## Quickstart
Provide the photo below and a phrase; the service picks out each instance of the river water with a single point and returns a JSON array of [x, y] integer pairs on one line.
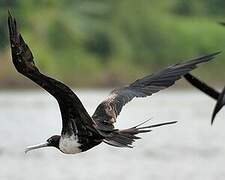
[[191, 149]]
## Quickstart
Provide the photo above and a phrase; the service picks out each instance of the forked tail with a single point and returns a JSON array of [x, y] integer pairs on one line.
[[126, 137]]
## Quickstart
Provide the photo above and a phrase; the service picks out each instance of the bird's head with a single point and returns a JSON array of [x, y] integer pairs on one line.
[[51, 142]]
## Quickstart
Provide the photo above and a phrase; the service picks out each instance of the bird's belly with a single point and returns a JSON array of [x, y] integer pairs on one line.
[[69, 144]]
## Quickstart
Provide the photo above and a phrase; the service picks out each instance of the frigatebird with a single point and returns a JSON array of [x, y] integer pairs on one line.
[[80, 132], [218, 96]]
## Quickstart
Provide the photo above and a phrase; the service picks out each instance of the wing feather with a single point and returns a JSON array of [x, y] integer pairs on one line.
[[74, 115], [106, 113]]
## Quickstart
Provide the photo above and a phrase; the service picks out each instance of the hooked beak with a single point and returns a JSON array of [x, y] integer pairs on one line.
[[29, 148]]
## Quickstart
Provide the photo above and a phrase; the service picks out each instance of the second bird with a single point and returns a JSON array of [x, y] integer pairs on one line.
[[219, 97]]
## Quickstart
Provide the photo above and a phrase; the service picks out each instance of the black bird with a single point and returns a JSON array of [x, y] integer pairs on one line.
[[80, 131], [219, 97]]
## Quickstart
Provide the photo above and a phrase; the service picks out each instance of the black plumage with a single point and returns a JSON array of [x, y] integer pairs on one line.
[[219, 97], [80, 130]]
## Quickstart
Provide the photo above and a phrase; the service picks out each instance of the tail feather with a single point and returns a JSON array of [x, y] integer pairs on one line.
[[126, 137]]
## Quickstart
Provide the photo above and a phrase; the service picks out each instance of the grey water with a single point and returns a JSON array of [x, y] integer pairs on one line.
[[191, 149]]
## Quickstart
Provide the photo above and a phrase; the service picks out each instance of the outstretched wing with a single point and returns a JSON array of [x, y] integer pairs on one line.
[[74, 115], [107, 112], [219, 97]]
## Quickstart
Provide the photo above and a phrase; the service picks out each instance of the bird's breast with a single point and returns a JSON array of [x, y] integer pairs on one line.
[[69, 144]]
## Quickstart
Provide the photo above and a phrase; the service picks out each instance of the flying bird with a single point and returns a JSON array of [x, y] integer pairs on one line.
[[219, 97], [80, 131]]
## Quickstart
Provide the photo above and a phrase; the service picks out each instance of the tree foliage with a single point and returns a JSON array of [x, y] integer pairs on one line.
[[102, 42]]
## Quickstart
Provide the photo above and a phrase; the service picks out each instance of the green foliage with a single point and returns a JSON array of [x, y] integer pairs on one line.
[[106, 42]]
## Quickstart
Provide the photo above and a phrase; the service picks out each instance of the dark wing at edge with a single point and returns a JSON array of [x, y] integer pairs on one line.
[[74, 115], [107, 112], [219, 104], [219, 97], [202, 86]]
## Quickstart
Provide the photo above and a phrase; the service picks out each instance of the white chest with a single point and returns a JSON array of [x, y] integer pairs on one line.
[[69, 144]]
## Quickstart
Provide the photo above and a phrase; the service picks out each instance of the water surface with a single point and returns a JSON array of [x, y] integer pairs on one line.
[[190, 149]]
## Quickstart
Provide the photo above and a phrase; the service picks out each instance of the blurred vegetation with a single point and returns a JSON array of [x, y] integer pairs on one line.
[[109, 42]]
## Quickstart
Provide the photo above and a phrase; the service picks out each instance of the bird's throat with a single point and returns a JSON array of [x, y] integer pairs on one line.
[[69, 144]]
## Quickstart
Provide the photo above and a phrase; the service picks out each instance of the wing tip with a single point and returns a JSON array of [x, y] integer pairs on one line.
[[210, 56], [205, 58], [213, 118], [212, 121], [219, 105], [13, 31], [9, 13], [11, 19], [216, 53]]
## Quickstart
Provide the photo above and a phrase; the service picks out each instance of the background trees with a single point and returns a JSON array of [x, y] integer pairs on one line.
[[107, 42]]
